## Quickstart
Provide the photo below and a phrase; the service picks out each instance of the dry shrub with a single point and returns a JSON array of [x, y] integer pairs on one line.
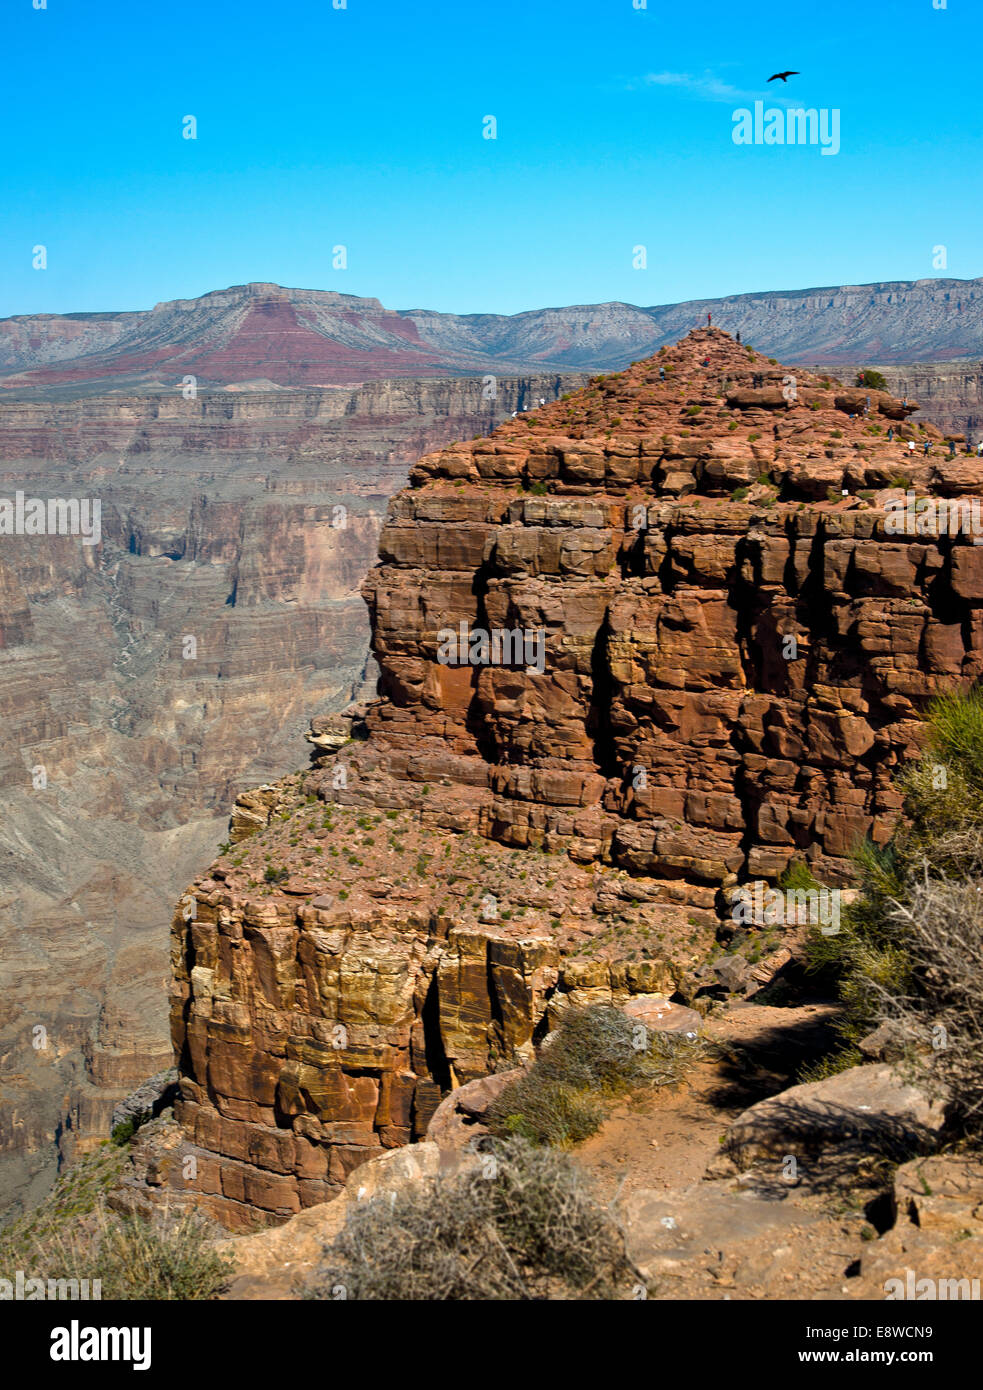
[[909, 948], [940, 1014], [168, 1258], [521, 1224]]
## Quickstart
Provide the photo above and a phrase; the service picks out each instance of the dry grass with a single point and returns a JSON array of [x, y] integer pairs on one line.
[[73, 1235]]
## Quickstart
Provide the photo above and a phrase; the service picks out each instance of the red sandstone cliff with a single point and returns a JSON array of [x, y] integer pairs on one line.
[[245, 521], [735, 652]]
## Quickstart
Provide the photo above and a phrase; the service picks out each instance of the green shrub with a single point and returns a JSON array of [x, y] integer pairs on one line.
[[874, 381], [595, 1054], [956, 738], [552, 1113], [125, 1130], [798, 877], [910, 948]]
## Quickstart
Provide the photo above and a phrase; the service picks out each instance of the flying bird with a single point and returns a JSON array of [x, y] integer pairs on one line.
[[784, 75]]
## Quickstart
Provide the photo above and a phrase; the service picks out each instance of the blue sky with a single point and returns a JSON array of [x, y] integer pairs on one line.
[[363, 127]]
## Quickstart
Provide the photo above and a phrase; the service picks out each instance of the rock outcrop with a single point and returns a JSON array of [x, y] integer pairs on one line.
[[951, 393], [723, 651], [146, 679]]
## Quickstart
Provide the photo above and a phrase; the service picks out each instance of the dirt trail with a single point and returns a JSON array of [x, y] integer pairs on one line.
[[731, 1236]]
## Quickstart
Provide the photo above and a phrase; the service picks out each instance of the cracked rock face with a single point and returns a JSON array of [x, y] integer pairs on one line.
[[722, 654], [736, 646]]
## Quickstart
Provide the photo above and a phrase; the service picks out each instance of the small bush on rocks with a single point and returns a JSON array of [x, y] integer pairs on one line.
[[910, 949], [596, 1053], [521, 1224]]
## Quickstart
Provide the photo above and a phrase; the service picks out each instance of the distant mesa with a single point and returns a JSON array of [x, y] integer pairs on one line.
[[248, 335]]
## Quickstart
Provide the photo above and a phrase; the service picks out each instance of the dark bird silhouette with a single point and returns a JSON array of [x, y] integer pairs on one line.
[[784, 75]]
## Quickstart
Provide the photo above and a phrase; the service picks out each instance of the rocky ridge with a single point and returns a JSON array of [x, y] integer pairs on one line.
[[260, 334], [735, 651]]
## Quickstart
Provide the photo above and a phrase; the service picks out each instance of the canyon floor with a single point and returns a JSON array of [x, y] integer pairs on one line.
[[146, 680]]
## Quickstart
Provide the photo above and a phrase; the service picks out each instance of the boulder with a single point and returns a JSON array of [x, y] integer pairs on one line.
[[459, 1117], [868, 1108], [884, 1044], [733, 972], [394, 1170], [149, 1099], [934, 1251]]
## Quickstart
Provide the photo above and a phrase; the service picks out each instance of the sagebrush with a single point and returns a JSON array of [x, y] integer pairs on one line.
[[519, 1223]]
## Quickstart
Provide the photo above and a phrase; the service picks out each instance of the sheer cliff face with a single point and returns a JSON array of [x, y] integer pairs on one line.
[[951, 393], [147, 679], [724, 651]]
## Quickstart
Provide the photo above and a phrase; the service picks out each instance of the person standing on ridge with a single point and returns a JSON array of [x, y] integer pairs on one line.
[[738, 335], [928, 445], [709, 320]]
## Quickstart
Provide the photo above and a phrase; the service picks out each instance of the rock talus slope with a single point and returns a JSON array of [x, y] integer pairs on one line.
[[730, 650]]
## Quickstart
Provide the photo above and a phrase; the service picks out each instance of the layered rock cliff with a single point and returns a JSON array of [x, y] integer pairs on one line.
[[725, 647], [950, 393], [146, 679]]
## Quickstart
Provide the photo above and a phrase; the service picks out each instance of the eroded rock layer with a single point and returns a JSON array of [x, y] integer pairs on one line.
[[726, 652], [145, 679]]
